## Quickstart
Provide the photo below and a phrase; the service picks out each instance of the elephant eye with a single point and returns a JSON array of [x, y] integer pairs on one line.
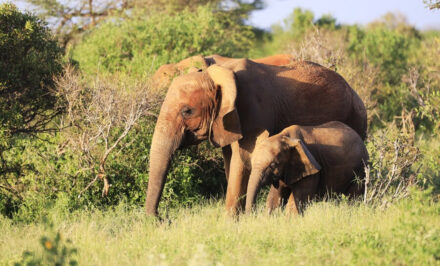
[[187, 111]]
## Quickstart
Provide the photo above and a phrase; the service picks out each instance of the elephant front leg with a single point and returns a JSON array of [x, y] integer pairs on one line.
[[237, 183], [227, 153], [273, 200], [277, 197], [302, 192]]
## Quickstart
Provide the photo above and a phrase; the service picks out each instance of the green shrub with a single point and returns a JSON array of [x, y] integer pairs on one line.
[[138, 45], [299, 22], [393, 154], [388, 49], [327, 21], [29, 59]]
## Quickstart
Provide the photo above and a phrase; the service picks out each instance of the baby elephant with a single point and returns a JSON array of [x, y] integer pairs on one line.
[[307, 161]]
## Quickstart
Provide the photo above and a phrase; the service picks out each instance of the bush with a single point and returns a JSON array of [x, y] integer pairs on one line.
[[139, 45], [29, 59], [385, 48], [392, 171]]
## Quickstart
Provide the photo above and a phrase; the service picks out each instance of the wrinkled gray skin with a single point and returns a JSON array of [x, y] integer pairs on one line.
[[225, 103], [307, 162]]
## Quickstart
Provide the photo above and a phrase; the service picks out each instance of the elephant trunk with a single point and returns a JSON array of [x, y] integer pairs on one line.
[[164, 144], [254, 185]]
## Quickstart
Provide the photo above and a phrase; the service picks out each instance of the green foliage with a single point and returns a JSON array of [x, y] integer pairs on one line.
[[391, 171], [56, 250], [141, 44], [327, 21], [384, 48], [423, 81], [48, 172], [290, 29], [196, 174], [30, 58], [299, 22], [69, 19]]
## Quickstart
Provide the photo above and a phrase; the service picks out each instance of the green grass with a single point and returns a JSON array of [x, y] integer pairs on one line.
[[330, 233]]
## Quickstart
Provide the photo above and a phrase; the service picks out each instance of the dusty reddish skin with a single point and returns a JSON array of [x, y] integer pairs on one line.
[[334, 155], [267, 97], [275, 60], [165, 73]]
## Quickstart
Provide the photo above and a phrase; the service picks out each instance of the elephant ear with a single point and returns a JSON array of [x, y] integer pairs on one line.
[[302, 163], [226, 125], [262, 135]]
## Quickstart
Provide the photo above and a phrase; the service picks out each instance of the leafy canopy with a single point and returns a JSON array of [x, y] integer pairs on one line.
[[139, 45], [29, 59]]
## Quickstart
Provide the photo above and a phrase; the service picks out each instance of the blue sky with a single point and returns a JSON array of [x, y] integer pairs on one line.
[[349, 11]]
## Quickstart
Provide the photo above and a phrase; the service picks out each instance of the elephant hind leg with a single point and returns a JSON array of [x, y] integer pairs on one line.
[[356, 187], [292, 207]]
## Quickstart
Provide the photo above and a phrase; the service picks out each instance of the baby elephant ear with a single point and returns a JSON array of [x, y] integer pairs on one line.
[[302, 163], [262, 134]]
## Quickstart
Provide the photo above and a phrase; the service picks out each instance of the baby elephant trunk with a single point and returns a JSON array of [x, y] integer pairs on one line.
[[254, 185]]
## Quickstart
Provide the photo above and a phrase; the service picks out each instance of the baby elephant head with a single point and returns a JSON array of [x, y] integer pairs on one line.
[[280, 157]]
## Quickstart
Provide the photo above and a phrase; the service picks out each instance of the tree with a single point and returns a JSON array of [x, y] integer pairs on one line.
[[30, 57], [69, 18], [432, 4], [141, 44]]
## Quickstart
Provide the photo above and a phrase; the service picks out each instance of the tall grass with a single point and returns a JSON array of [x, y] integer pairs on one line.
[[331, 233]]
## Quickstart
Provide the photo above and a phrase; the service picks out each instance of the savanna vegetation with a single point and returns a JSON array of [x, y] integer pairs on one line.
[[77, 116]]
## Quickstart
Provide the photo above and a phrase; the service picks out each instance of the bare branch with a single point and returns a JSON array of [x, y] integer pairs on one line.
[[393, 153], [102, 114]]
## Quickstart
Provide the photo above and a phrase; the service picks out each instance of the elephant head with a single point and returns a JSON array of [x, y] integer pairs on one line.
[[198, 106], [163, 76], [280, 157]]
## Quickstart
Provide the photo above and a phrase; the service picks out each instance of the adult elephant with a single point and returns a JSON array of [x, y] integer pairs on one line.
[[227, 102], [163, 76]]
